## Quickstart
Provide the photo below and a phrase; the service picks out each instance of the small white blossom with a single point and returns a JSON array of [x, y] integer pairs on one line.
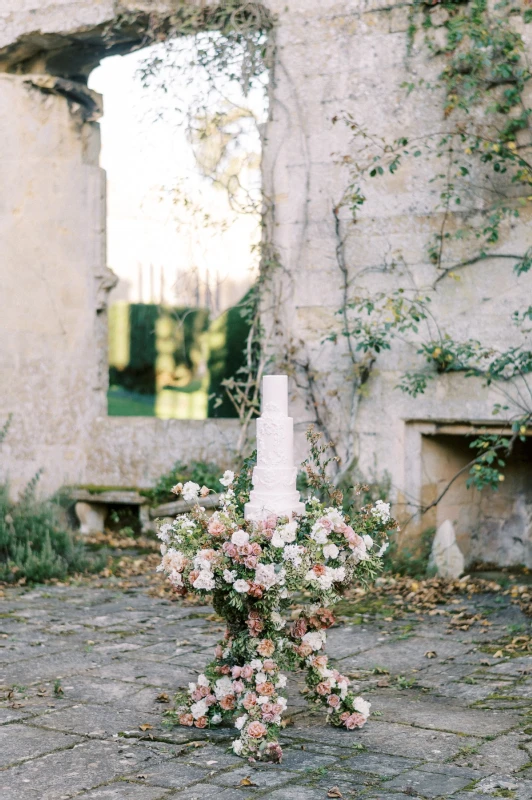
[[315, 639], [228, 478], [362, 706], [292, 553], [277, 539], [330, 551], [241, 721], [203, 680], [319, 534], [216, 719], [241, 586], [381, 511], [255, 664], [237, 746], [229, 575], [277, 620], [205, 580], [383, 549], [260, 677], [265, 575], [191, 491], [368, 541], [240, 538], [281, 682], [199, 709], [223, 687]]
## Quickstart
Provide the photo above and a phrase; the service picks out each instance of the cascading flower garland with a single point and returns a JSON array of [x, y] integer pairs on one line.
[[253, 570]]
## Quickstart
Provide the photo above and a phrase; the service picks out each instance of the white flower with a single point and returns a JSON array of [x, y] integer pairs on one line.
[[164, 531], [175, 578], [262, 700], [288, 531], [318, 533], [277, 620], [277, 539], [192, 687], [222, 687], [228, 478], [237, 746], [240, 538], [229, 575], [281, 682], [330, 551], [359, 552], [368, 541], [315, 639], [362, 706], [282, 702], [241, 721], [260, 677], [265, 575], [255, 664], [335, 517], [381, 511], [292, 553], [338, 574], [241, 586], [202, 560], [190, 491], [205, 580], [216, 719], [203, 680], [163, 551], [199, 709], [383, 549]]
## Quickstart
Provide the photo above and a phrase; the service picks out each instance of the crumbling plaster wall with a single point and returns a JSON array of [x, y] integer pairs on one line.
[[330, 57]]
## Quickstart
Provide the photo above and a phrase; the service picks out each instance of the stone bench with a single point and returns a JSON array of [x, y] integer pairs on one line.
[[91, 507]]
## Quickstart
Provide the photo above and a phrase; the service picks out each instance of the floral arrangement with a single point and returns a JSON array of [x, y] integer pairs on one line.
[[253, 571]]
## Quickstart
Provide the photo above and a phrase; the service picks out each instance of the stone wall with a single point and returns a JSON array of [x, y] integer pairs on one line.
[[330, 58]]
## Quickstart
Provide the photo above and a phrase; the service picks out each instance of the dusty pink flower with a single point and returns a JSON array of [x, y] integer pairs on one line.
[[256, 548], [201, 722], [270, 523], [303, 650], [354, 721], [266, 689], [256, 730], [333, 700], [247, 672], [235, 671], [204, 491], [250, 562], [320, 661], [216, 527], [269, 666], [255, 626], [266, 647], [211, 699], [228, 702], [250, 700], [245, 550], [299, 628], [255, 590], [325, 523], [238, 687], [319, 570], [323, 688], [230, 549], [218, 651], [186, 719]]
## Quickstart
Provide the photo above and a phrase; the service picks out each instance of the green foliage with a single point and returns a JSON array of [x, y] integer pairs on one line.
[[228, 341], [201, 472], [410, 561], [34, 542]]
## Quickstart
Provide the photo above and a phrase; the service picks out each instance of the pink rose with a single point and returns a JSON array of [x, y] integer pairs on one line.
[[354, 721], [216, 527], [325, 523], [320, 661], [186, 719], [250, 700], [238, 687], [333, 700], [245, 550], [210, 700], [269, 666], [228, 702], [235, 671], [256, 548], [218, 651], [250, 562], [299, 628], [271, 523], [266, 689], [266, 647], [201, 722], [246, 672], [323, 688], [256, 730]]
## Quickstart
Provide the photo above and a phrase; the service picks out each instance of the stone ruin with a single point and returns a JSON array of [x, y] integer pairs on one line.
[[329, 57]]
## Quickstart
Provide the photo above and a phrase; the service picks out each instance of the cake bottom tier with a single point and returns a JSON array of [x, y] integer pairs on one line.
[[262, 505]]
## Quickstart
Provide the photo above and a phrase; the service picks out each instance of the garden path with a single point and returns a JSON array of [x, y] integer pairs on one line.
[[86, 672]]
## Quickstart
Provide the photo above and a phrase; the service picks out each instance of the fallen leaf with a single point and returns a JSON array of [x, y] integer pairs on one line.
[[146, 727], [141, 777], [431, 654], [246, 782], [16, 705], [334, 792], [209, 763], [498, 654], [162, 698]]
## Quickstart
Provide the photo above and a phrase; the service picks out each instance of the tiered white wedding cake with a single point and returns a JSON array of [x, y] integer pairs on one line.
[[274, 477]]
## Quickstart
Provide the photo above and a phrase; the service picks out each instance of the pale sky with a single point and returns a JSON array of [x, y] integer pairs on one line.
[[144, 160]]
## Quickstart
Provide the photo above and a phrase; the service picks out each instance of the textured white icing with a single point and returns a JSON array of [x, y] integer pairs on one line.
[[274, 477]]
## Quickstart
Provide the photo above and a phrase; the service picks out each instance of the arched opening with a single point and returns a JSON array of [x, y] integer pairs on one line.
[[181, 150]]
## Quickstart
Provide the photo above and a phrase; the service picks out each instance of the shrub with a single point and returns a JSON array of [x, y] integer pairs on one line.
[[35, 544], [202, 472]]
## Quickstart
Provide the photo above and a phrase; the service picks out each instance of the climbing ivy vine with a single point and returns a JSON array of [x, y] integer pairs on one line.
[[479, 158]]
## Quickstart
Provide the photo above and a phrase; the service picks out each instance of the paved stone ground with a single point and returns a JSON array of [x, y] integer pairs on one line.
[[455, 723]]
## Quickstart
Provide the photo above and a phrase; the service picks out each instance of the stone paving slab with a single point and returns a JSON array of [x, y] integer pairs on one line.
[[441, 725]]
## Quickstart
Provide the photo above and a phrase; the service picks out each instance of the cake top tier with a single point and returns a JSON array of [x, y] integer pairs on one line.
[[275, 396]]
